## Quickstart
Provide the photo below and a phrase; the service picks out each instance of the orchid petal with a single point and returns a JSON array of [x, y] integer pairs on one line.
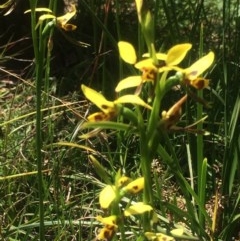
[[145, 64], [39, 10], [129, 82], [46, 16], [98, 99], [122, 181], [137, 208], [106, 233], [106, 196], [135, 186], [161, 56], [127, 52], [177, 53], [133, 99], [111, 220], [66, 17], [199, 66]]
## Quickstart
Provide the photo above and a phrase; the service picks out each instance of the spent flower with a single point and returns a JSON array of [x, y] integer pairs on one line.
[[61, 21]]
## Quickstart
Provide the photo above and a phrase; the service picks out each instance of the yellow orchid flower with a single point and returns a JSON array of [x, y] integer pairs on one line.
[[109, 229], [149, 70], [109, 109], [191, 74], [62, 20], [106, 233], [174, 56], [128, 54], [59, 21]]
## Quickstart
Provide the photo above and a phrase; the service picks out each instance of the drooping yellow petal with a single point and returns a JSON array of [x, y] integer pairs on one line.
[[6, 4], [127, 52], [98, 99], [129, 82], [135, 186], [106, 196], [137, 208], [62, 20], [132, 99], [199, 66], [110, 221], [40, 10], [177, 53], [44, 17]]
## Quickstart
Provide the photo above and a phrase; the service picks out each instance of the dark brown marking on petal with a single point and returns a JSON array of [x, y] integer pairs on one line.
[[105, 107], [135, 188]]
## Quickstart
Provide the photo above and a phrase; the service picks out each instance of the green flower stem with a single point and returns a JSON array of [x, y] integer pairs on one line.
[[148, 147], [115, 210], [146, 171], [38, 51], [200, 158], [155, 114]]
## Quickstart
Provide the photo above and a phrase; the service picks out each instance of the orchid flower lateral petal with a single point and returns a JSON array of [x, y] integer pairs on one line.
[[129, 82], [62, 20], [98, 99], [137, 208], [110, 220], [127, 52], [106, 196], [199, 66], [133, 99], [177, 53], [135, 186]]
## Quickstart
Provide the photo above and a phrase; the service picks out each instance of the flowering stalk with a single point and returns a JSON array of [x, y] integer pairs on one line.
[[146, 119]]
